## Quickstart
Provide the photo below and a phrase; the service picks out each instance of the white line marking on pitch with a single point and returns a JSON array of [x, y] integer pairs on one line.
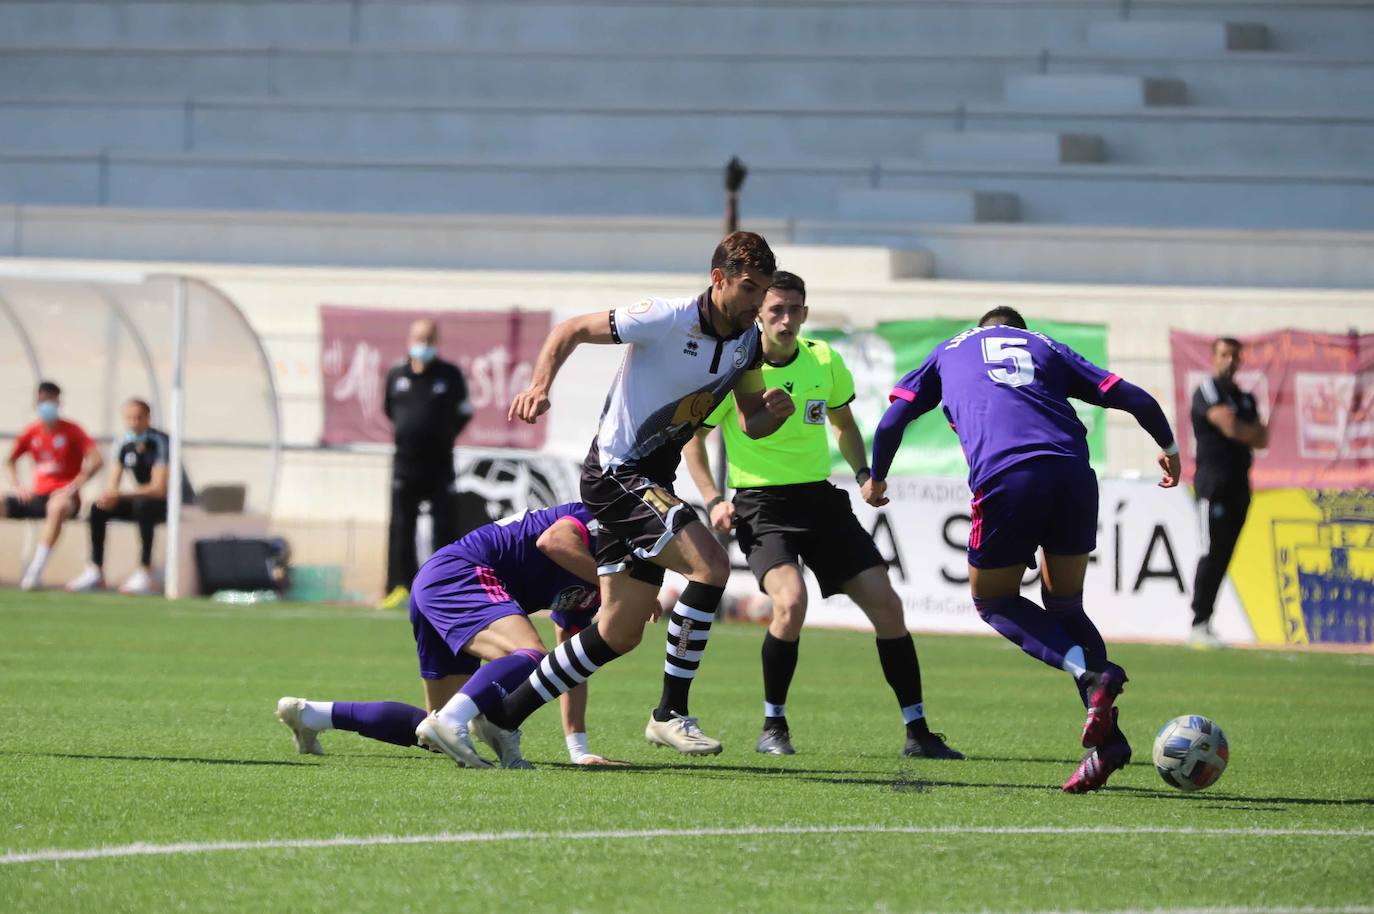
[[211, 847], [1267, 909]]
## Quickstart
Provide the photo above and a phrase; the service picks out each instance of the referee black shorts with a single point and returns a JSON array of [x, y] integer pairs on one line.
[[810, 521], [636, 519]]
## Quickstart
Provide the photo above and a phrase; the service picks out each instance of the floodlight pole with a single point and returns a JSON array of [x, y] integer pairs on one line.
[[172, 565]]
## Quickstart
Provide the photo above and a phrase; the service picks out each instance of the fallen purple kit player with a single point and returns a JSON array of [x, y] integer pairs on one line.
[[1005, 391], [469, 604]]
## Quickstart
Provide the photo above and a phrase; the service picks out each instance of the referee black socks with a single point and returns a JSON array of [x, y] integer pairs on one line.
[[779, 665], [689, 627]]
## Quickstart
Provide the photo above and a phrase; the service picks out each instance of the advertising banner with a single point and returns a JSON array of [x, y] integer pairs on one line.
[[878, 358], [1139, 580], [1315, 390], [495, 350]]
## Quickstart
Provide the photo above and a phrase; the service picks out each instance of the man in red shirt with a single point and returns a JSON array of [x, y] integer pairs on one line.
[[64, 457]]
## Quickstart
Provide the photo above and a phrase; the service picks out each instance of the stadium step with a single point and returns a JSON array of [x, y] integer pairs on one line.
[[1145, 36], [926, 205], [1029, 148], [1102, 91]]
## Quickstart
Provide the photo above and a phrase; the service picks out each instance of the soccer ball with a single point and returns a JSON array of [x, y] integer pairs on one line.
[[1191, 752]]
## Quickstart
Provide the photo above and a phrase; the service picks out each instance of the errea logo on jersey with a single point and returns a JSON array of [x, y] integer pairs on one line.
[[691, 348]]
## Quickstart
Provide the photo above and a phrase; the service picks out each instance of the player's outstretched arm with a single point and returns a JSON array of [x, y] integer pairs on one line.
[[720, 512], [1126, 396], [533, 401], [761, 412], [849, 438]]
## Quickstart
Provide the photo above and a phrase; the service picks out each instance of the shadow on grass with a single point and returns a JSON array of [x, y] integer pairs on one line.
[[919, 782], [87, 756]]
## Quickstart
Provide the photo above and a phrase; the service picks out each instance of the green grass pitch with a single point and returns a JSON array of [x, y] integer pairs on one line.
[[129, 721]]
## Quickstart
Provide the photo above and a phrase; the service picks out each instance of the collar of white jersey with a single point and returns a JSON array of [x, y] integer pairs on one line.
[[704, 307]]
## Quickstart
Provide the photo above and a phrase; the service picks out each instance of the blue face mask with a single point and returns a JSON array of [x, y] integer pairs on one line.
[[47, 411], [135, 437], [422, 353]]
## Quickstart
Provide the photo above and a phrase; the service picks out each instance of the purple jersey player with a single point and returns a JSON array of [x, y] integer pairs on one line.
[[468, 604], [1005, 391]]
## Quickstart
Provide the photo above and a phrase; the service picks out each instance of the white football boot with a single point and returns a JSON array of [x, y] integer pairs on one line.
[[452, 741], [89, 580], [680, 733], [307, 740], [139, 584], [505, 742]]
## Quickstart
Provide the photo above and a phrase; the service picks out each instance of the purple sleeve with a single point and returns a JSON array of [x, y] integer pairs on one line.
[[1126, 396], [1087, 382], [915, 394]]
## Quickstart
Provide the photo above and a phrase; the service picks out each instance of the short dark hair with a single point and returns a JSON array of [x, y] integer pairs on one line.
[[48, 388], [1009, 317], [784, 281], [1227, 341], [741, 251], [141, 404]]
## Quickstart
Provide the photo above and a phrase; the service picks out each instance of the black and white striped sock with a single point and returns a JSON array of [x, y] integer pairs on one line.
[[561, 670], [689, 626]]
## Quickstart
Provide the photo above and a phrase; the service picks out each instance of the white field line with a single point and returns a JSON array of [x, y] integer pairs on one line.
[[212, 847], [1267, 909]]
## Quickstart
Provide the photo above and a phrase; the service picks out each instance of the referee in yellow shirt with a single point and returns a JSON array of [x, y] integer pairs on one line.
[[786, 513]]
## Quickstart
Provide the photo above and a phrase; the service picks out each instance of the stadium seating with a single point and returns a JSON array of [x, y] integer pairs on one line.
[[1053, 112]]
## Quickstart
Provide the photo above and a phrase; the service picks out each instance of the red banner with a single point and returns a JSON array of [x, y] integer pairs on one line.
[[1316, 391], [495, 349]]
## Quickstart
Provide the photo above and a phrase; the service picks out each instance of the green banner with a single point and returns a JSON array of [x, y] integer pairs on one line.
[[879, 357]]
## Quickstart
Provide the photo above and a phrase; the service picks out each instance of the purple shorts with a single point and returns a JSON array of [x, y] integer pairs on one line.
[[451, 601], [1044, 502]]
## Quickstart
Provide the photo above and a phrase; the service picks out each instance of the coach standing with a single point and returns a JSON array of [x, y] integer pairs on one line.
[[1227, 428], [427, 403]]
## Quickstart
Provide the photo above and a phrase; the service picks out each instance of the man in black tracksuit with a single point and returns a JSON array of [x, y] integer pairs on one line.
[[427, 403], [1226, 427]]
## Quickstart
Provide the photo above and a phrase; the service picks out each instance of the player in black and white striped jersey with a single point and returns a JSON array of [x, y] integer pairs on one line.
[[683, 357]]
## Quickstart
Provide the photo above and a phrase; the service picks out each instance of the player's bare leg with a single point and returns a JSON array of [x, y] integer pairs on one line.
[[872, 590], [61, 508]]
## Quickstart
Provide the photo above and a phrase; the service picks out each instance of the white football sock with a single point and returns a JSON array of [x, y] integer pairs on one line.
[[1073, 662], [39, 562], [459, 711], [318, 715]]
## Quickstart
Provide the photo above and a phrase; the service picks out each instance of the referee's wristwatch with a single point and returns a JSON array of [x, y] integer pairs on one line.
[[863, 476], [711, 505]]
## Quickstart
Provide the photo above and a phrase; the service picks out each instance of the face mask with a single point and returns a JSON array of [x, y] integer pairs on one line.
[[135, 437], [47, 411], [421, 353]]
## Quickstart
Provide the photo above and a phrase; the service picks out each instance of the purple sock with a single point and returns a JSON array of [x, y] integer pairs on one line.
[[494, 680], [1027, 626], [387, 721], [1069, 609]]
